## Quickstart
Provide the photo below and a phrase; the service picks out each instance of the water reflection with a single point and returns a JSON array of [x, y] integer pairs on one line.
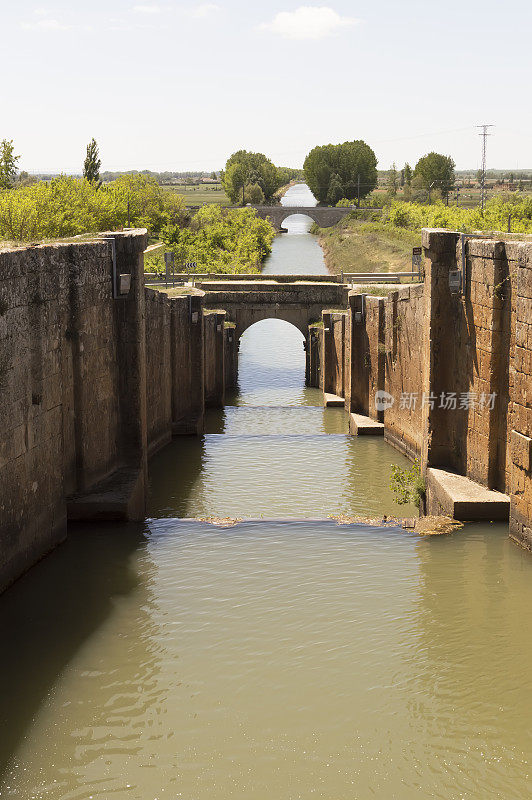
[[49, 615], [266, 455], [271, 660]]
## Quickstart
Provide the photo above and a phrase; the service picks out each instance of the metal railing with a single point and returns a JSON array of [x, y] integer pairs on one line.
[[349, 278]]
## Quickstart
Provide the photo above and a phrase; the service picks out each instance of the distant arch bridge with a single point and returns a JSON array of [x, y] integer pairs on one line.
[[323, 216]]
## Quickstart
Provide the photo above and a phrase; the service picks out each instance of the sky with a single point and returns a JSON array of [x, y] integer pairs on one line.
[[166, 85]]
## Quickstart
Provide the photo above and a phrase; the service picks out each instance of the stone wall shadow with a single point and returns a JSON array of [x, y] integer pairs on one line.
[[51, 612], [172, 474]]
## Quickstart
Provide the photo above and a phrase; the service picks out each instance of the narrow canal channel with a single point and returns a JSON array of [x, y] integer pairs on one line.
[[273, 660], [266, 453]]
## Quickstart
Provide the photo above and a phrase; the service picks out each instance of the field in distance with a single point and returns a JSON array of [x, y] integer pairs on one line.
[[199, 194]]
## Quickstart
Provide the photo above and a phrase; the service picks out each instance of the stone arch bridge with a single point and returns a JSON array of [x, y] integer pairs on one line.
[[322, 216], [299, 302]]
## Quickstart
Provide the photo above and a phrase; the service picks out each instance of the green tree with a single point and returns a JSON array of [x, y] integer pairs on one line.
[[407, 171], [8, 164], [354, 163], [393, 181], [92, 163], [436, 171], [254, 194], [336, 190], [244, 168]]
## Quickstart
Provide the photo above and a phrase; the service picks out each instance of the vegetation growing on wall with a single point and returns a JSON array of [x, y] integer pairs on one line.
[[408, 485], [221, 240]]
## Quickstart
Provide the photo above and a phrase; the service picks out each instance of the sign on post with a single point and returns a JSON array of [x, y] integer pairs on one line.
[[417, 254], [191, 266], [455, 281]]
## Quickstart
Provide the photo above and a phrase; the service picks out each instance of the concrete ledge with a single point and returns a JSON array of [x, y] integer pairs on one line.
[[119, 498], [461, 498], [360, 425], [333, 401]]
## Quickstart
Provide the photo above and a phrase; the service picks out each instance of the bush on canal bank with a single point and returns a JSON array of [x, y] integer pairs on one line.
[[67, 206], [384, 242], [221, 240]]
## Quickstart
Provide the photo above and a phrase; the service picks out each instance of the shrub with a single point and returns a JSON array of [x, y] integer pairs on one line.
[[222, 240], [408, 485], [69, 206]]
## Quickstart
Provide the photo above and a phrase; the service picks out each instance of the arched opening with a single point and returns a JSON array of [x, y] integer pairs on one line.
[[271, 364], [297, 224]]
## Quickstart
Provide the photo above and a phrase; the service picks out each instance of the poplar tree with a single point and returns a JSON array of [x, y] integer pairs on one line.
[[92, 164], [8, 164]]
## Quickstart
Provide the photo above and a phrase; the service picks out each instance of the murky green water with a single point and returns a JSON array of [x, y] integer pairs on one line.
[[272, 660], [276, 452]]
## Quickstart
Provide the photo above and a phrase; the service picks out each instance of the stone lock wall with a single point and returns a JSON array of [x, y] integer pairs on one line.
[[70, 414], [90, 384], [158, 369], [334, 353], [215, 335], [466, 357], [386, 341]]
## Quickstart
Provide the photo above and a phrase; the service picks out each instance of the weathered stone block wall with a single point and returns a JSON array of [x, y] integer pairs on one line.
[[35, 356], [187, 356], [479, 349], [468, 358], [366, 365], [230, 356], [403, 344], [158, 369], [88, 378], [314, 345], [334, 345], [519, 452], [386, 344], [63, 345], [214, 337], [458, 365]]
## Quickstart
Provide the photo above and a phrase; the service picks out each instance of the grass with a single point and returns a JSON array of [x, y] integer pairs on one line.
[[377, 290], [357, 246], [177, 291], [200, 194]]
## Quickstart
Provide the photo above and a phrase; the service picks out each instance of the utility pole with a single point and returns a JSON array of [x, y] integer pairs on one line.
[[484, 135], [358, 191]]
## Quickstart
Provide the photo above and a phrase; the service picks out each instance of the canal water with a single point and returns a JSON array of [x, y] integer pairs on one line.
[[274, 660]]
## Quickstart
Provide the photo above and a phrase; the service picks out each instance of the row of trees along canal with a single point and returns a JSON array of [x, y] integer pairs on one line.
[[215, 239], [334, 173]]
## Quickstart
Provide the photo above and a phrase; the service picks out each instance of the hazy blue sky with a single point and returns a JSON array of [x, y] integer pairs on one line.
[[171, 85]]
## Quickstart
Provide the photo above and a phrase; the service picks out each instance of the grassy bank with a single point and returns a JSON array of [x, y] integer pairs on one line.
[[357, 246]]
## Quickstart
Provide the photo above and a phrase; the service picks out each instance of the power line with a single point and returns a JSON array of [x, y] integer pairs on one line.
[[484, 136]]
